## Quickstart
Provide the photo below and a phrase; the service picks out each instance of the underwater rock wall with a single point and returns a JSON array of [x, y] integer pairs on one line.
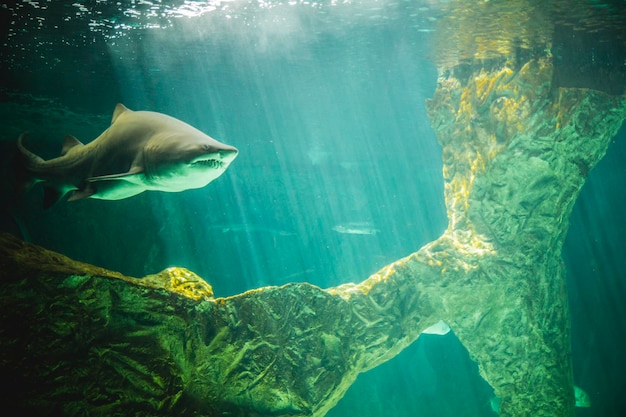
[[79, 340]]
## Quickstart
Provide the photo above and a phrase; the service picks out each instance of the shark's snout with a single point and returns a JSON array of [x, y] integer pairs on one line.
[[228, 153]]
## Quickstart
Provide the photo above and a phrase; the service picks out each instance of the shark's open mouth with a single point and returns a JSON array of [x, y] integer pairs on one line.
[[211, 163]]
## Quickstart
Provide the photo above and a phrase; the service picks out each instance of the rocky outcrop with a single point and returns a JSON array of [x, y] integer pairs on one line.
[[516, 153]]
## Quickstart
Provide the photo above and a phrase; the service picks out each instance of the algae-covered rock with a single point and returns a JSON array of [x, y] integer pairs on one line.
[[82, 340]]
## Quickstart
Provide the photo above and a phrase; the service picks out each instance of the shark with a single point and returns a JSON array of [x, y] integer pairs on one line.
[[140, 151]]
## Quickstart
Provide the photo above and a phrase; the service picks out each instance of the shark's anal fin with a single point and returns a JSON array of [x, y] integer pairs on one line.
[[70, 142], [85, 192]]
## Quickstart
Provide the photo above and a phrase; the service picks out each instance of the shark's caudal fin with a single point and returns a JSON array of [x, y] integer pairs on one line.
[[24, 180]]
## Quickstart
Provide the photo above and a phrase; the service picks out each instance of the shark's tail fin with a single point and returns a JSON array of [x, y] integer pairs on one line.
[[23, 179], [24, 164]]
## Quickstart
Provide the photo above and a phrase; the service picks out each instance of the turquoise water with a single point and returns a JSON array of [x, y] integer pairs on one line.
[[338, 173]]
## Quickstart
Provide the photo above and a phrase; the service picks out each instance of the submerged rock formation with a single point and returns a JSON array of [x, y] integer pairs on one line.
[[80, 340], [516, 154]]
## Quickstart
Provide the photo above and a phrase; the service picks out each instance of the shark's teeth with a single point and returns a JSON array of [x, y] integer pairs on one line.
[[212, 163]]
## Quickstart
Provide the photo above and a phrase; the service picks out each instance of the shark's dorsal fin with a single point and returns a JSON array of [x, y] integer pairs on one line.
[[119, 109], [68, 143]]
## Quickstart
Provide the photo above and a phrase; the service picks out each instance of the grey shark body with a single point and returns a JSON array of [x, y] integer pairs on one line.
[[140, 151]]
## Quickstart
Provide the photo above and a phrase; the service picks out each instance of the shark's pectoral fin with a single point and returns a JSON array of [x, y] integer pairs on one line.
[[116, 186], [133, 175]]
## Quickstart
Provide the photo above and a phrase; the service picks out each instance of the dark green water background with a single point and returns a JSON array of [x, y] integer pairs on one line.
[[326, 106]]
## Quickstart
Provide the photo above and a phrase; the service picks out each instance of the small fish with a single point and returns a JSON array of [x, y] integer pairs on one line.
[[582, 398], [140, 151], [356, 228], [494, 402], [249, 228], [440, 328]]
